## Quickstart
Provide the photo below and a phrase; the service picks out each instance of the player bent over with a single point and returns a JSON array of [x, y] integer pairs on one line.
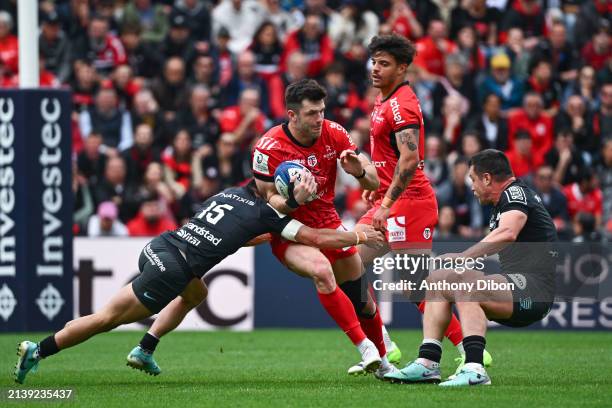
[[173, 264], [518, 217]]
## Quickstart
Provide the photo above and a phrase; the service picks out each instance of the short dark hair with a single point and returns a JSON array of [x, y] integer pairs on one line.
[[396, 45], [303, 89], [493, 162]]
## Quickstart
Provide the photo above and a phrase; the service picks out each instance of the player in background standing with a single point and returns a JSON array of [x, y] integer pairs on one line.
[[405, 203], [309, 139]]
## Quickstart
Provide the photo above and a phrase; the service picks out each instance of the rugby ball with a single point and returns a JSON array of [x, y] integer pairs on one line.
[[283, 175]]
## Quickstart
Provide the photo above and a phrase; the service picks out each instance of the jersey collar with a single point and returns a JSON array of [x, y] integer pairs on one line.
[[292, 138], [405, 83]]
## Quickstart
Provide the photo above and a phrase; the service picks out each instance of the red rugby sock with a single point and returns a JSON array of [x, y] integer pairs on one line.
[[340, 308], [373, 329]]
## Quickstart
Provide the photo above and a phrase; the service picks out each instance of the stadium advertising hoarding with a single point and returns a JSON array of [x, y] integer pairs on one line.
[[35, 210], [103, 265]]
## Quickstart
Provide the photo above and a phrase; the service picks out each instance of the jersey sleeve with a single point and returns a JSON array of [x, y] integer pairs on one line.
[[514, 198], [267, 155], [405, 113], [342, 139], [279, 223]]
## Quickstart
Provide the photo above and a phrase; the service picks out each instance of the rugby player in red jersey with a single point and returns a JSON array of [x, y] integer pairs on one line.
[[309, 139], [405, 203]]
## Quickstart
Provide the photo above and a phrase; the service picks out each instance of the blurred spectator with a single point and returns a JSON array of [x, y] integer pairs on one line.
[[519, 56], [241, 18], [170, 91], [267, 49], [491, 124], [146, 110], [296, 70], [467, 209], [141, 154], [424, 10], [342, 98], [82, 199], [198, 121], [100, 46], [318, 8], [141, 57], [402, 20], [584, 196], [150, 17], [585, 225], [224, 57], [445, 8], [604, 174], [589, 19], [602, 121], [353, 24], [54, 46], [91, 162], [532, 118], [565, 158], [553, 199], [527, 15], [246, 77], [150, 220], [245, 120], [152, 183], [576, 118], [432, 51], [113, 186], [224, 165], [198, 19], [105, 117], [476, 13], [542, 82], [520, 157], [455, 82], [471, 143], [436, 168], [178, 42], [445, 230], [558, 50], [177, 163], [105, 222], [501, 83], [9, 45], [598, 50], [205, 73], [471, 51], [585, 87], [282, 19], [123, 81], [451, 121], [313, 42]]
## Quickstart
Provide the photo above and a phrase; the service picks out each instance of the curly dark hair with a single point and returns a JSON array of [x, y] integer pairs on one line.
[[397, 45], [303, 89]]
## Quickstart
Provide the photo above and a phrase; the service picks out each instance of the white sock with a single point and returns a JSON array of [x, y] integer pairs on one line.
[[387, 339], [432, 341], [427, 363], [365, 343], [476, 367], [460, 348], [384, 363]]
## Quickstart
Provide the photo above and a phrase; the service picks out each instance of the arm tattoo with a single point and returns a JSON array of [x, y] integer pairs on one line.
[[409, 137], [396, 192]]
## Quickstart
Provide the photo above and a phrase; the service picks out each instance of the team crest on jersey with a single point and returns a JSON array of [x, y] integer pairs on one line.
[[260, 162], [396, 227], [516, 194], [329, 153], [312, 160], [427, 233]]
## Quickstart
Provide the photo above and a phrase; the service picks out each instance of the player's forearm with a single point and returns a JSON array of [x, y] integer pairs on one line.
[[280, 203], [497, 240], [404, 172], [330, 239], [370, 181]]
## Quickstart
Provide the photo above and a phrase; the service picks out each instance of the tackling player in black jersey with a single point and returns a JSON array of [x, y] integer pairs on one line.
[[173, 264], [523, 234]]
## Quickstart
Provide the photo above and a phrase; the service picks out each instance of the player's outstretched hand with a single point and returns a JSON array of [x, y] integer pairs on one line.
[[304, 189], [374, 238], [350, 163], [369, 196]]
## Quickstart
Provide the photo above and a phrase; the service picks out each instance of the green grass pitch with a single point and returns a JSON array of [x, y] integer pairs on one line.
[[308, 368]]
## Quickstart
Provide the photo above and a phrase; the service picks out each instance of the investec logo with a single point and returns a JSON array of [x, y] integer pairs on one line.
[[7, 190]]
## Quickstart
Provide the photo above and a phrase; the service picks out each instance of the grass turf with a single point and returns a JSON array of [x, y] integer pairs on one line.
[[308, 368]]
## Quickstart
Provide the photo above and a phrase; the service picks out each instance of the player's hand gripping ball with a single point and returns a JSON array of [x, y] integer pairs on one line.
[[287, 171]]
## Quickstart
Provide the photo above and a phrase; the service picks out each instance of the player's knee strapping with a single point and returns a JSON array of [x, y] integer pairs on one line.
[[356, 291]]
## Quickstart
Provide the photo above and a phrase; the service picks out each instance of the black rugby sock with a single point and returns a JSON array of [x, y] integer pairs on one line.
[[48, 347], [474, 348], [149, 342], [430, 351]]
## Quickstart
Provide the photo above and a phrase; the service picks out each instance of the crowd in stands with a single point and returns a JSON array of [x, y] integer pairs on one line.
[[169, 97]]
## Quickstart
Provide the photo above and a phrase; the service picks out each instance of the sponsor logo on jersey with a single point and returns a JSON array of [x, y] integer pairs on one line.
[[312, 160], [266, 143], [395, 109], [153, 258], [260, 162], [518, 279], [494, 221], [427, 233], [379, 163], [396, 227], [516, 194], [329, 153], [203, 232]]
